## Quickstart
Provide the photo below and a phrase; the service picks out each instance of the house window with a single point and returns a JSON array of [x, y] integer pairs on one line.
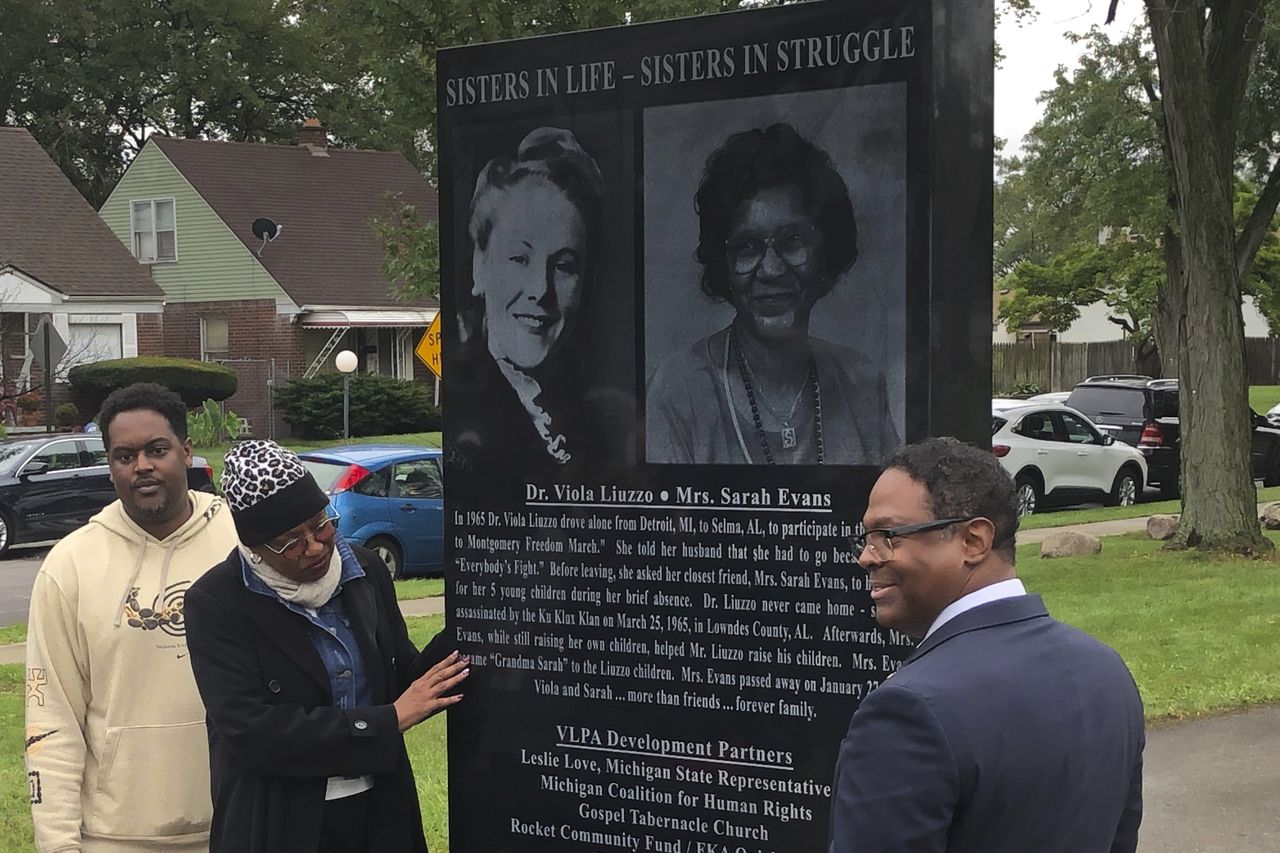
[[214, 340], [90, 342], [155, 230], [402, 354]]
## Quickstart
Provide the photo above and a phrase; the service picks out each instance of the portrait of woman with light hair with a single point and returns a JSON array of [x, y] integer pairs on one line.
[[535, 229]]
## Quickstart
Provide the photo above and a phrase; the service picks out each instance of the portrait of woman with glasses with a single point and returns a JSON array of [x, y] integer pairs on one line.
[[776, 232]]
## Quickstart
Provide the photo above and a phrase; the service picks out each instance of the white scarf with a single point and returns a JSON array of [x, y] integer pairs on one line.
[[527, 390], [312, 595]]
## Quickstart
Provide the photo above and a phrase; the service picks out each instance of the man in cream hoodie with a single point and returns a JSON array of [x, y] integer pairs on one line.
[[117, 756]]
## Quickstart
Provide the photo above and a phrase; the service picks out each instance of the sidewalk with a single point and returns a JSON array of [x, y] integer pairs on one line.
[[1098, 528], [1211, 785]]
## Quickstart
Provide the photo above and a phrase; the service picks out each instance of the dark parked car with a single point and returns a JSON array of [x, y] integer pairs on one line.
[[1144, 412], [390, 498], [53, 484]]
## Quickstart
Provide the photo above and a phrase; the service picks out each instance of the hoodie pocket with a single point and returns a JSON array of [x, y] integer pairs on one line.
[[153, 781]]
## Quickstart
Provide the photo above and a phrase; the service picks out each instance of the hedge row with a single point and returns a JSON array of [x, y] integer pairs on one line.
[[380, 405], [193, 381]]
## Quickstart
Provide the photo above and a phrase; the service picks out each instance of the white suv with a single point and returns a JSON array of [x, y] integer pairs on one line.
[[1056, 456]]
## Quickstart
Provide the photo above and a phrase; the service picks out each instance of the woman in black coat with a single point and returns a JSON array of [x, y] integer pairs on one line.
[[308, 676]]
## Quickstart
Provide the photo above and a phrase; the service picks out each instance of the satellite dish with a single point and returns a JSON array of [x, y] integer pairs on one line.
[[266, 230]]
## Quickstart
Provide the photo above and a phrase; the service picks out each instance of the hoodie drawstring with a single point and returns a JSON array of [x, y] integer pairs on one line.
[[164, 572], [128, 587]]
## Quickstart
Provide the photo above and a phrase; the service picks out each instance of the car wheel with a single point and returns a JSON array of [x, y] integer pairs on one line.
[[1029, 496], [1127, 488], [6, 534], [390, 554]]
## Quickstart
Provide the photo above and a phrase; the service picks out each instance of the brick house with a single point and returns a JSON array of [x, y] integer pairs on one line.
[[279, 309], [59, 261]]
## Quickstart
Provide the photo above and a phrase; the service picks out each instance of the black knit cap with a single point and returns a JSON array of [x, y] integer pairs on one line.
[[269, 490]]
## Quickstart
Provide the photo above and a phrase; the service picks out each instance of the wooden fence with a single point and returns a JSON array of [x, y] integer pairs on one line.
[[1053, 366]]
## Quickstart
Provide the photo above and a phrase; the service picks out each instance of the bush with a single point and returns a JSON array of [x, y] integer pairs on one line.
[[66, 415], [209, 426], [193, 381], [380, 405]]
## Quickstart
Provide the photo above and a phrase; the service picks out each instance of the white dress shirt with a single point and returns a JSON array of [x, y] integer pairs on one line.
[[1004, 589]]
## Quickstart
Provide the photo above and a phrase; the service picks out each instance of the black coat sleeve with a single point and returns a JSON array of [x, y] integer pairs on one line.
[[410, 663], [1126, 840], [273, 735]]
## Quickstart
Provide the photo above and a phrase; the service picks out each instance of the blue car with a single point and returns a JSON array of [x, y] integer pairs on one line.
[[390, 498]]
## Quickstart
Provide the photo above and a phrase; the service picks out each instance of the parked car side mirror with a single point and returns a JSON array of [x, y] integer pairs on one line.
[[34, 468], [1108, 440]]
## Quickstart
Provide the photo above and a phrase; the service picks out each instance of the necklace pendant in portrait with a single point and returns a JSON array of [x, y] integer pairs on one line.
[[788, 437]]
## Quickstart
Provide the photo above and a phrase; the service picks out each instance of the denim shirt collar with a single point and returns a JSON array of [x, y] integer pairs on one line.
[[350, 571]]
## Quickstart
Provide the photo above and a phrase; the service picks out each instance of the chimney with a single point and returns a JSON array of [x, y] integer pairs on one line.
[[312, 135]]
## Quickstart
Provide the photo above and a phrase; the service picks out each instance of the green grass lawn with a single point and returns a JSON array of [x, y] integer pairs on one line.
[[1197, 632], [419, 588], [1067, 517], [1263, 397]]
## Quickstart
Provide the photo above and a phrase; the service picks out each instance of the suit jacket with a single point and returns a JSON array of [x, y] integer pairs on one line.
[[274, 734], [1005, 732]]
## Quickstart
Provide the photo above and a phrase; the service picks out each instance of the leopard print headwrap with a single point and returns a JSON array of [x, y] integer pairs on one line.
[[269, 490]]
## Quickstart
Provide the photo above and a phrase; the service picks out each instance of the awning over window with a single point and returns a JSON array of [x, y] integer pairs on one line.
[[389, 318]]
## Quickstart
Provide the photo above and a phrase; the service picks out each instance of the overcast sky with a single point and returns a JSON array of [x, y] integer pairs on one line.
[[1031, 53]]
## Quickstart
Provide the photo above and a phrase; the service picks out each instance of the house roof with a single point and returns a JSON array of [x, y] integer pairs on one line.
[[325, 199], [52, 234]]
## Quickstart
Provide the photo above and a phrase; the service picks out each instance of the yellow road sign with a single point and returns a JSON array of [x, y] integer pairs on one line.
[[428, 349]]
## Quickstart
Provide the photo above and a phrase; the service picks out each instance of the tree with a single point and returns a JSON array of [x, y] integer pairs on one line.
[[1205, 51], [92, 79], [1092, 185], [411, 261]]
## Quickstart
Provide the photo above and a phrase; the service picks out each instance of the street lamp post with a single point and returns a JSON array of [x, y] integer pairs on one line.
[[346, 362]]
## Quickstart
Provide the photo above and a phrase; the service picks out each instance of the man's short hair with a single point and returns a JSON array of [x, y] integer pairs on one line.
[[964, 482], [144, 395]]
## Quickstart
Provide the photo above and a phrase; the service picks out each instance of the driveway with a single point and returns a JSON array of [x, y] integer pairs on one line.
[[17, 574], [1212, 785]]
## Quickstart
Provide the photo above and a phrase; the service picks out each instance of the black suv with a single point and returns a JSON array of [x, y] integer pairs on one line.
[[1143, 412], [52, 484]]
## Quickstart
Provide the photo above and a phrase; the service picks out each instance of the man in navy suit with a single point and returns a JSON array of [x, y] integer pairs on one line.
[[1005, 731]]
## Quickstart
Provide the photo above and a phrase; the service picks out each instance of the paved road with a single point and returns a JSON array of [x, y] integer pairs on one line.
[[17, 574], [1212, 786]]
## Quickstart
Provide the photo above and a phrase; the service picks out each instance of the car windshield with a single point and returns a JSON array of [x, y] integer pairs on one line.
[[996, 423], [326, 473], [1102, 400], [11, 452]]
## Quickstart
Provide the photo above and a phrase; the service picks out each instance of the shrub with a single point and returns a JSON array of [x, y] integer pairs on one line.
[[380, 405], [66, 415], [193, 381], [209, 426]]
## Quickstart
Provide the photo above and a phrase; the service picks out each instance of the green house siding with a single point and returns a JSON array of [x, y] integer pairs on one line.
[[212, 264]]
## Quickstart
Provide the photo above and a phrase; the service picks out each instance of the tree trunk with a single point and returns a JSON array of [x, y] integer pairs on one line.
[[1219, 504], [1166, 319]]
